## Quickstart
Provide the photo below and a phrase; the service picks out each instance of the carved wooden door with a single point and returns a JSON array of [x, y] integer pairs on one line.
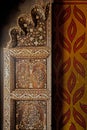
[[27, 72]]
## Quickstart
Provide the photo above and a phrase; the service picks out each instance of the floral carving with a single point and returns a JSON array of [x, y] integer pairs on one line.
[[39, 75], [30, 73], [33, 28], [30, 115]]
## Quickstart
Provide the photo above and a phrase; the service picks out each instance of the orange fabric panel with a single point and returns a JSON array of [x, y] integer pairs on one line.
[[70, 68]]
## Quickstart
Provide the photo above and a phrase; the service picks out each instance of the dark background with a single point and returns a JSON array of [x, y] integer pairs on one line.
[[7, 7]]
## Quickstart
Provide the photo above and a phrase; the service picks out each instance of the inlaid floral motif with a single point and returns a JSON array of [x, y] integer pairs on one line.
[[31, 29], [31, 115], [31, 73]]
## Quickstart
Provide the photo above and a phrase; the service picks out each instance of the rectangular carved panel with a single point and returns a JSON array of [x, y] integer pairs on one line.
[[31, 73], [31, 115]]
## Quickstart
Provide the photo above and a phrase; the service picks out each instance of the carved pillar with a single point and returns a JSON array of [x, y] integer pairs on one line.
[[27, 72]]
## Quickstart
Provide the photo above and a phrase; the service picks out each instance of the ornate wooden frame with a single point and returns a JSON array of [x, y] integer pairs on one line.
[[11, 94]]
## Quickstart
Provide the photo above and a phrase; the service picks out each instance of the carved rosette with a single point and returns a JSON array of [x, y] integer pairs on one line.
[[27, 72]]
